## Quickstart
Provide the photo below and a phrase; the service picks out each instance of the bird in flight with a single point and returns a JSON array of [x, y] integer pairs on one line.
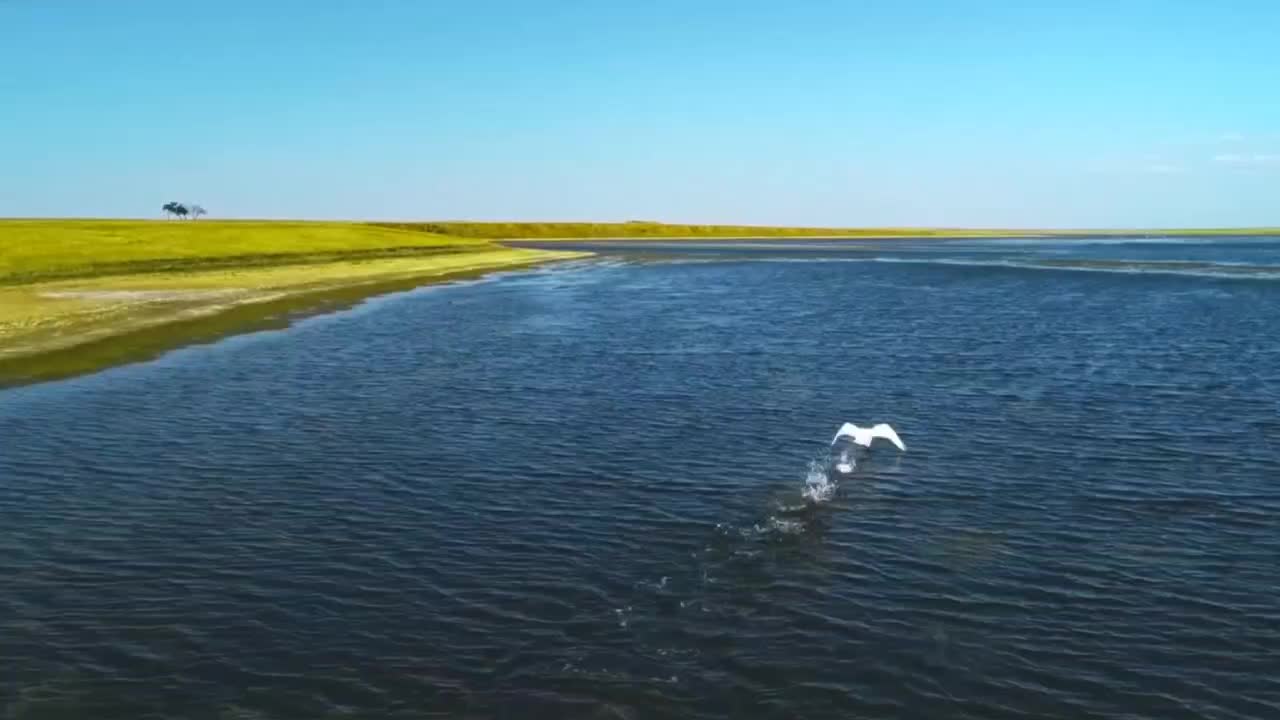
[[864, 436]]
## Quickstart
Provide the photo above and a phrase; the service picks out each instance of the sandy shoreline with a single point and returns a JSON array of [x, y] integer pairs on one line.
[[60, 329]]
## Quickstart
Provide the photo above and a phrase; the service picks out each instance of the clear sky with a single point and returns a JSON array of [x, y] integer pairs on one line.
[[1079, 113]]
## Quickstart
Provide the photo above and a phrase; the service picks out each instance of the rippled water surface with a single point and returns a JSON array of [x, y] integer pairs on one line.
[[580, 493]]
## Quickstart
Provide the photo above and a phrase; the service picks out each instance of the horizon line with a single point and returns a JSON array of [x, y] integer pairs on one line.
[[457, 221]]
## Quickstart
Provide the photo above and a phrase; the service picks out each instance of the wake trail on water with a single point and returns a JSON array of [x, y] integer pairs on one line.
[[791, 511], [780, 533]]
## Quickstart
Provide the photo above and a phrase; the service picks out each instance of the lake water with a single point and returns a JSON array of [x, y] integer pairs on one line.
[[586, 492]]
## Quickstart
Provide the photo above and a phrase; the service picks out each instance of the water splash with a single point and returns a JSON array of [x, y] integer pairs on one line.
[[846, 464], [819, 485]]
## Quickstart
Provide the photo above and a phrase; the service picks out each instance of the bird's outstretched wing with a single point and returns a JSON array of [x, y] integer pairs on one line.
[[882, 430], [846, 429]]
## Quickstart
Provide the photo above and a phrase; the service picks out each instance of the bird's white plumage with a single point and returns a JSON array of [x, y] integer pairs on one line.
[[864, 436]]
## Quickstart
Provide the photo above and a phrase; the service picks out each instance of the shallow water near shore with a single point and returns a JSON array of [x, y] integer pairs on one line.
[[581, 492]]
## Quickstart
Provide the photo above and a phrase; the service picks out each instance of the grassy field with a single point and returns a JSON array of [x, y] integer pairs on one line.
[[76, 296], [572, 230], [582, 231], [35, 250]]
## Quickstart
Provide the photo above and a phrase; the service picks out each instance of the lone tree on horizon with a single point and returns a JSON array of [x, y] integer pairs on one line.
[[179, 210]]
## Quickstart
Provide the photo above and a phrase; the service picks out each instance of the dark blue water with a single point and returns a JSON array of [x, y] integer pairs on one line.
[[577, 493]]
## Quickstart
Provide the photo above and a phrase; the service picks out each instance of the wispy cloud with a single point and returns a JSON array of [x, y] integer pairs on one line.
[[1163, 169], [1247, 159], [1230, 137]]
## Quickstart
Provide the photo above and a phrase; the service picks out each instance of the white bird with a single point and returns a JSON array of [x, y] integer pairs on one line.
[[864, 436]]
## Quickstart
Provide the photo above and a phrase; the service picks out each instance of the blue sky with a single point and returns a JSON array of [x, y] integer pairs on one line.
[[1052, 114]]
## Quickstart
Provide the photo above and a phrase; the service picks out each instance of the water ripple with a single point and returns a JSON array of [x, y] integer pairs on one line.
[[577, 492]]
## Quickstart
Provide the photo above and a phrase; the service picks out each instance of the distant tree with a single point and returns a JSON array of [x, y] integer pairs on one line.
[[180, 210], [170, 208], [197, 211]]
